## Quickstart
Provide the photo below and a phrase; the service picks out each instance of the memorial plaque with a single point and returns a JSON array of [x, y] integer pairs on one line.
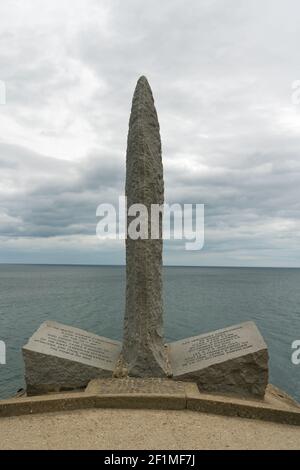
[[75, 344], [233, 360], [59, 357]]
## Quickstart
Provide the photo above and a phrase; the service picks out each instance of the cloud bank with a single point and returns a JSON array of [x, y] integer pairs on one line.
[[221, 73]]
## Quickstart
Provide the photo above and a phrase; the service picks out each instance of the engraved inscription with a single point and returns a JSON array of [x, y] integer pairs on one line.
[[76, 345], [202, 351]]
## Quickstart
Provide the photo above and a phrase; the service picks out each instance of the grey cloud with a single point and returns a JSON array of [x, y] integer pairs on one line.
[[221, 73], [59, 197]]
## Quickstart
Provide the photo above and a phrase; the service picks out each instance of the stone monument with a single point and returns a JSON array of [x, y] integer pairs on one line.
[[143, 351], [58, 357]]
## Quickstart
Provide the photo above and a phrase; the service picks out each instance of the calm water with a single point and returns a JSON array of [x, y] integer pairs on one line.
[[197, 300]]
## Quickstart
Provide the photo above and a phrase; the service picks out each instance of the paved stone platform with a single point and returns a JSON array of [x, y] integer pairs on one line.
[[127, 429], [163, 394]]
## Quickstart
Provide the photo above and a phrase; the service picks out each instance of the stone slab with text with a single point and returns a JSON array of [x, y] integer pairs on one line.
[[59, 357], [233, 360]]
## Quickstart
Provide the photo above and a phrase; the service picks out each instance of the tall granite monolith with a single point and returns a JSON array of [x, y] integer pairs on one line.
[[144, 353]]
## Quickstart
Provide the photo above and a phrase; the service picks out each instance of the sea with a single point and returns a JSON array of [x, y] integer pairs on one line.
[[196, 300]]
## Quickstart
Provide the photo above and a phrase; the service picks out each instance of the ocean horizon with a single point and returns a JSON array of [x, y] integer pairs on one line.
[[164, 266]]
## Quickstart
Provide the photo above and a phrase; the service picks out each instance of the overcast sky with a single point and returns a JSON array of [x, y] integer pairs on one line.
[[221, 72]]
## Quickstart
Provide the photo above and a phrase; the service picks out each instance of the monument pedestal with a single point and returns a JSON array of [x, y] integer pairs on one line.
[[159, 394], [230, 361]]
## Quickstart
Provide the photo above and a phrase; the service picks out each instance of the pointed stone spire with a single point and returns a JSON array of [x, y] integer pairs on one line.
[[143, 347]]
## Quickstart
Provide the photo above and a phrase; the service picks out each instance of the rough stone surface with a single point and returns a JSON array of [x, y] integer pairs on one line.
[[59, 357], [133, 385], [143, 348], [229, 361]]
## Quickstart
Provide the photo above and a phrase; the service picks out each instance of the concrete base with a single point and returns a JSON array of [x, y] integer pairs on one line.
[[157, 394]]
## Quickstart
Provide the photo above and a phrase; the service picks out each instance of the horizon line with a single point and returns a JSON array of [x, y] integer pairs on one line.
[[164, 265]]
